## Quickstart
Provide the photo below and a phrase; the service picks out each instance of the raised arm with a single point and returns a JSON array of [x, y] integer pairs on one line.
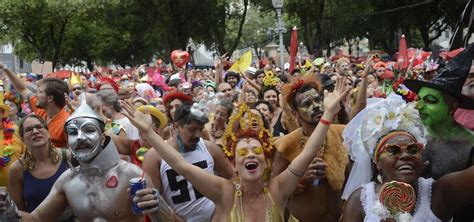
[[219, 64], [251, 82], [222, 165], [289, 121], [209, 185], [361, 99], [19, 85], [288, 180]]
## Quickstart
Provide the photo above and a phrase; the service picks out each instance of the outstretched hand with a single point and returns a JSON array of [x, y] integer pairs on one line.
[[221, 60], [369, 65], [140, 120], [332, 100]]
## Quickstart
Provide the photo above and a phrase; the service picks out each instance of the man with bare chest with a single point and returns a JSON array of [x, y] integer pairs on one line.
[[96, 190]]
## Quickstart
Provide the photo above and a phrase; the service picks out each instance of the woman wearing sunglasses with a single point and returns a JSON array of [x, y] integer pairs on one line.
[[32, 176], [385, 141]]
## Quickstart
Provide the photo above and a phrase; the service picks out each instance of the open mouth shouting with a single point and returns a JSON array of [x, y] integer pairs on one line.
[[251, 166]]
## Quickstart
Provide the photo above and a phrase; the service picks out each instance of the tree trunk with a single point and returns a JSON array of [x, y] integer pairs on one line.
[[350, 47], [90, 64], [57, 43], [241, 25], [424, 32]]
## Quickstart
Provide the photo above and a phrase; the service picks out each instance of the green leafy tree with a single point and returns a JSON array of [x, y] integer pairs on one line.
[[37, 27]]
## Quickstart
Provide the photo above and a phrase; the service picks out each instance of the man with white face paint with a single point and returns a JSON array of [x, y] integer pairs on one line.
[[96, 190], [319, 195]]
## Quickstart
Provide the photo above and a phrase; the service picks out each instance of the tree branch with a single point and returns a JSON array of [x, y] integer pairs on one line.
[[241, 25]]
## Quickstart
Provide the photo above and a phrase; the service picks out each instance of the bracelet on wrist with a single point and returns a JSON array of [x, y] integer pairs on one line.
[[324, 121], [295, 172]]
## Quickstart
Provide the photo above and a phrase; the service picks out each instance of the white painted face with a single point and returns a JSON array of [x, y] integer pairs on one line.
[[84, 138]]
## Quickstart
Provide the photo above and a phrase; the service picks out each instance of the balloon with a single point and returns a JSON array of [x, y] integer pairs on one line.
[[179, 58]]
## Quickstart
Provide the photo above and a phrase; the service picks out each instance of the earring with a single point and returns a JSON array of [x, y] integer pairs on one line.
[[379, 179], [53, 155], [28, 161], [379, 176], [237, 185]]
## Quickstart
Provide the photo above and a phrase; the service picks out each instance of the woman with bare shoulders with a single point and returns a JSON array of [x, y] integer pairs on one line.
[[251, 195], [387, 137]]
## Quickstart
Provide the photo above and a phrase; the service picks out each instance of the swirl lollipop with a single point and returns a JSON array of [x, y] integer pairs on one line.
[[397, 197]]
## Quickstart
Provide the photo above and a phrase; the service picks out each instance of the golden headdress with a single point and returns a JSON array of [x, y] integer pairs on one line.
[[75, 79], [245, 124]]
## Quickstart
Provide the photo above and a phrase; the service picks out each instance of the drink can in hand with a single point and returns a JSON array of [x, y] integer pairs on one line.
[[136, 184]]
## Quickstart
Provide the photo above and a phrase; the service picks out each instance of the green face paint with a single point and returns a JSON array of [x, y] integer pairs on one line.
[[432, 107]]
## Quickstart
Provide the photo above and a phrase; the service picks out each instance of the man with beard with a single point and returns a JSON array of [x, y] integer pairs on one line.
[[48, 103], [96, 190], [450, 145], [185, 200], [319, 196]]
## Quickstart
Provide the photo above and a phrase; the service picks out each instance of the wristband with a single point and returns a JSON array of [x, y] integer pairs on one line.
[[325, 122], [295, 172]]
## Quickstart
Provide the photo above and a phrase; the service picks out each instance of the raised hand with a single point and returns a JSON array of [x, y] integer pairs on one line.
[[333, 99], [369, 63], [221, 61], [140, 120]]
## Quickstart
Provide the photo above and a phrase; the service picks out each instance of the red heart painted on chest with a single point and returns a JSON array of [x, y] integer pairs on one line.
[[112, 182], [179, 58]]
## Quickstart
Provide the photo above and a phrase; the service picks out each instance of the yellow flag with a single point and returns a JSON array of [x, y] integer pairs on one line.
[[307, 65], [242, 63]]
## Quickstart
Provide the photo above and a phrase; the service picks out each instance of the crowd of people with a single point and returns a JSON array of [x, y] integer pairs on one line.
[[325, 141]]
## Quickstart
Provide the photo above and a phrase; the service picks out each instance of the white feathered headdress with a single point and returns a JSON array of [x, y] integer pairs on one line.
[[362, 134]]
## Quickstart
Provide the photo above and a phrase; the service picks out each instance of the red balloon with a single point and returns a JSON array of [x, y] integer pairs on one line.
[[179, 58]]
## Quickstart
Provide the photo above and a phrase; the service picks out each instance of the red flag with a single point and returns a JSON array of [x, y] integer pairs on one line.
[[402, 59], [293, 48], [340, 54]]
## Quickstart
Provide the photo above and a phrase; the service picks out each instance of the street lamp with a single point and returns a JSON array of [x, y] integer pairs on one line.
[[280, 27]]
